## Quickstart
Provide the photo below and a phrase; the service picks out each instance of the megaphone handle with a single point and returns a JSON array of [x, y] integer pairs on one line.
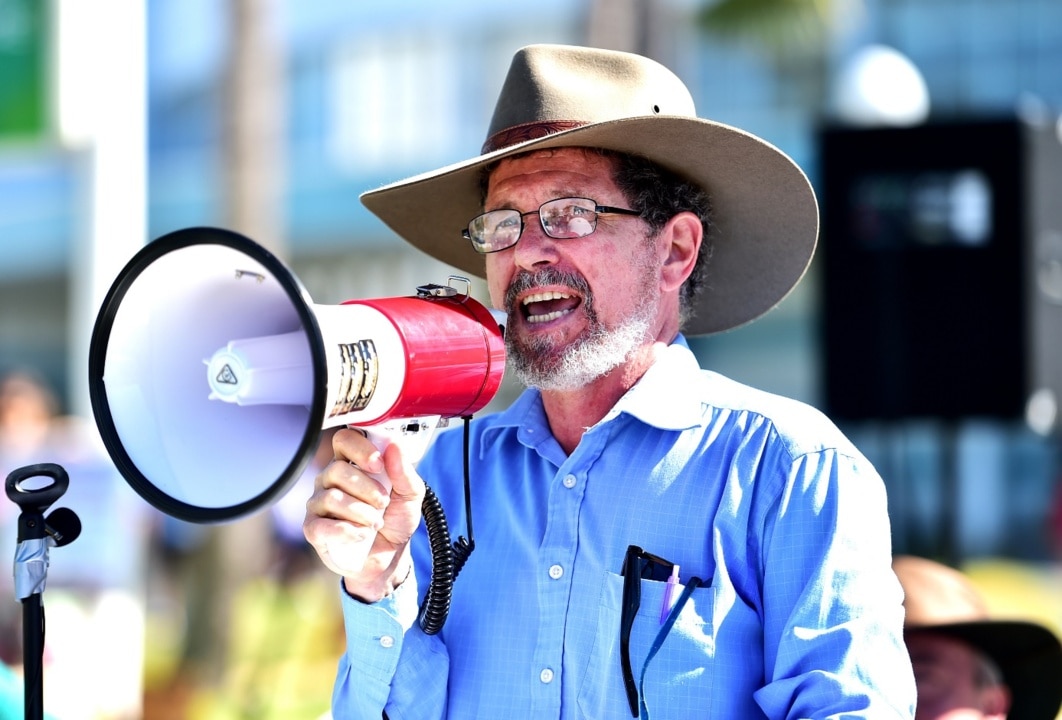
[[447, 558], [413, 434]]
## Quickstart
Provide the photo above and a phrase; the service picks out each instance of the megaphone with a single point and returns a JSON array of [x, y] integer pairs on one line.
[[212, 374]]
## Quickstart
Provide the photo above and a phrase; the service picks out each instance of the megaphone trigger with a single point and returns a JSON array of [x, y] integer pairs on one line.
[[413, 435]]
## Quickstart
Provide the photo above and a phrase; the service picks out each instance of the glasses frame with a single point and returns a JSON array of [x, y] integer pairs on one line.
[[598, 210], [638, 565]]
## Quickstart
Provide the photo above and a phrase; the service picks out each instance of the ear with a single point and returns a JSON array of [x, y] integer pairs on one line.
[[683, 236]]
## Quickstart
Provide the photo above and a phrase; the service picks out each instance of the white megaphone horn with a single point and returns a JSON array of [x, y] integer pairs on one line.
[[212, 375]]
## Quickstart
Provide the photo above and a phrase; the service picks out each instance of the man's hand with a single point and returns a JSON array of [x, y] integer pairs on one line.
[[359, 530]]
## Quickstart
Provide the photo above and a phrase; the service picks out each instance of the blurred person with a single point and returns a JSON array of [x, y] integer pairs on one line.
[[967, 664], [94, 595], [651, 538]]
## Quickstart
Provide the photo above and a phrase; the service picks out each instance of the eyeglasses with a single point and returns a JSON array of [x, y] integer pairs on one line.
[[639, 565], [561, 218]]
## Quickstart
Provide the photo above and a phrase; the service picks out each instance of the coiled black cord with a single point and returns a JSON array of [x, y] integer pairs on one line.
[[447, 558]]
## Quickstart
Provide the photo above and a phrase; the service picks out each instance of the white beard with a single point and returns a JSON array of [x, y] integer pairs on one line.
[[592, 357], [598, 352]]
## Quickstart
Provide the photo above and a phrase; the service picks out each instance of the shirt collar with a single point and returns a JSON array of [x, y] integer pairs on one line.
[[663, 397]]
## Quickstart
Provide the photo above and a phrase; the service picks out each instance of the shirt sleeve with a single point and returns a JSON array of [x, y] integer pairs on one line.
[[389, 663], [832, 607]]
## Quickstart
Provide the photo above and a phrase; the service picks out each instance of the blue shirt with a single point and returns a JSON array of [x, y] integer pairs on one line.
[[761, 497]]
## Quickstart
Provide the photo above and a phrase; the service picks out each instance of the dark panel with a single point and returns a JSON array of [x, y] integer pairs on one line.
[[923, 248]]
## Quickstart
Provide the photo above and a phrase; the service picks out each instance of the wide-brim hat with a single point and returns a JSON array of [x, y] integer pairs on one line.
[[942, 600], [764, 211]]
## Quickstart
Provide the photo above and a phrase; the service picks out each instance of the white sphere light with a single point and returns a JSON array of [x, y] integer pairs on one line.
[[880, 86]]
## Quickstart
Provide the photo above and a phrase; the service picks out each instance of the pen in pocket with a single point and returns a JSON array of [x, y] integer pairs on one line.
[[669, 593]]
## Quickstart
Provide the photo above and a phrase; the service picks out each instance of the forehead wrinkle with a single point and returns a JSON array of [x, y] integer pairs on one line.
[[554, 192], [563, 172]]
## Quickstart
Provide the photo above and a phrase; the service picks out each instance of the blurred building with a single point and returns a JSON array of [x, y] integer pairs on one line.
[[377, 91]]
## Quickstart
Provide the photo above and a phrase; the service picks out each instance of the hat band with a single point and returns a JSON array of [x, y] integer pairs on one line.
[[527, 131]]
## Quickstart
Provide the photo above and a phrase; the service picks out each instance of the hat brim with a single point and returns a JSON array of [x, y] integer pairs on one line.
[[1028, 655], [765, 214]]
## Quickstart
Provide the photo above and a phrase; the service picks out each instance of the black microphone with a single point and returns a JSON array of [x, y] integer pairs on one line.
[[63, 525]]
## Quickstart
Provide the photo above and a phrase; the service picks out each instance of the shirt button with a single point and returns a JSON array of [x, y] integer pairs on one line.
[[569, 481], [556, 571], [387, 641], [546, 675]]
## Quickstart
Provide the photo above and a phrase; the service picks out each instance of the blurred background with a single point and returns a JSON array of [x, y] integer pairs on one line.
[[929, 327]]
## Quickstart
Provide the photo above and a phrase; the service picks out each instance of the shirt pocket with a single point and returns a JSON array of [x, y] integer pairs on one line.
[[678, 678]]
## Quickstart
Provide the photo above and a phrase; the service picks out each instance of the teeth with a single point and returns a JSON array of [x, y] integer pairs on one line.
[[547, 317], [544, 296]]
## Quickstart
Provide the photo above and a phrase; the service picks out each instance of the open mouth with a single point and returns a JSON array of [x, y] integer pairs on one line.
[[543, 307]]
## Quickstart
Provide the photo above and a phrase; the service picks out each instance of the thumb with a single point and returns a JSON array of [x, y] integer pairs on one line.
[[406, 483]]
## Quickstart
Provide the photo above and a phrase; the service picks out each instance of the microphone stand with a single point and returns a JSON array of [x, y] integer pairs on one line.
[[35, 537]]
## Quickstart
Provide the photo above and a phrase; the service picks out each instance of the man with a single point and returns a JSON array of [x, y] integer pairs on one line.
[[966, 664], [652, 540]]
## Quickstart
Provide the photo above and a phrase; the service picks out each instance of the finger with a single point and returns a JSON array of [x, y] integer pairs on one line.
[[337, 503], [406, 483], [336, 520], [403, 513], [351, 479], [342, 546], [324, 532], [353, 446]]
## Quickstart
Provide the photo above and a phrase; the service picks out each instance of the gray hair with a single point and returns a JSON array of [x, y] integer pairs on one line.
[[659, 194]]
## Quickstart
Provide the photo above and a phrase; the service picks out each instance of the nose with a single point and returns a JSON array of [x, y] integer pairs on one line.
[[535, 248]]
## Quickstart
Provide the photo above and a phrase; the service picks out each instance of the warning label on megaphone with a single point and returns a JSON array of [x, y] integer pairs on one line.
[[226, 376]]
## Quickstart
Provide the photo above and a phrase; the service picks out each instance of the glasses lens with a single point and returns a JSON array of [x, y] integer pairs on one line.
[[566, 218], [495, 230]]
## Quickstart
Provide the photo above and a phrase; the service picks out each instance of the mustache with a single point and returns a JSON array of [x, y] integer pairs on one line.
[[524, 281]]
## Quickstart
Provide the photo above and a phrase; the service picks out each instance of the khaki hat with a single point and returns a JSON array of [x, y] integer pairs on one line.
[[942, 600], [765, 215]]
